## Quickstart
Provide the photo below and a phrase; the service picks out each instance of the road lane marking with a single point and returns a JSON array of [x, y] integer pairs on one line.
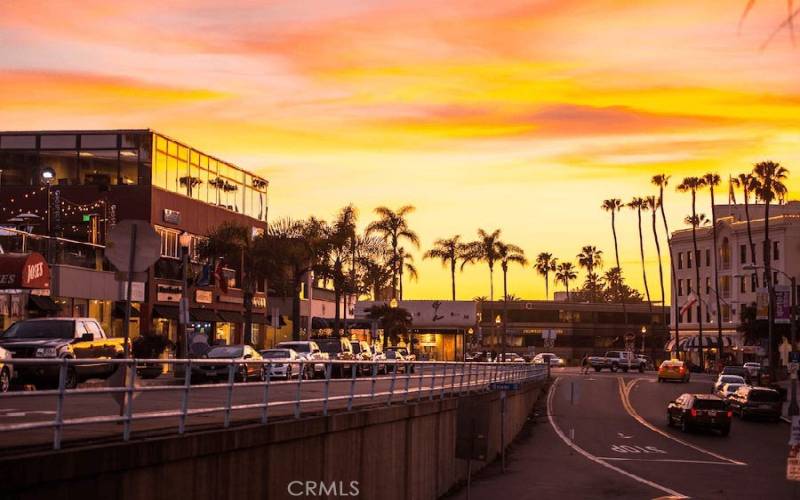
[[594, 458], [624, 394], [626, 448], [670, 460]]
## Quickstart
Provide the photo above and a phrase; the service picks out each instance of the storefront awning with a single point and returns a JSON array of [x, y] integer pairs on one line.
[[24, 270], [709, 342], [321, 323], [203, 315], [231, 316], [165, 312], [119, 310], [42, 303]]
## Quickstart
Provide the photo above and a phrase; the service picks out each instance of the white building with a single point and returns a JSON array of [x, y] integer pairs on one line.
[[737, 285]]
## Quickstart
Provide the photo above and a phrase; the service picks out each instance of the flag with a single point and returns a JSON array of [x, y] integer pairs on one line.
[[219, 277], [731, 193], [205, 276], [690, 301]]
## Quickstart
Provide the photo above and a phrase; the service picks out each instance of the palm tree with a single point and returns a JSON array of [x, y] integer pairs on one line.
[[653, 205], [508, 253], [749, 184], [485, 249], [545, 264], [770, 176], [692, 185], [614, 205], [393, 227], [449, 250], [405, 264], [565, 273], [712, 180], [639, 204], [589, 259], [662, 181]]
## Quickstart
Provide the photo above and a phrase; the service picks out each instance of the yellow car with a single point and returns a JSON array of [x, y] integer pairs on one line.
[[673, 369]]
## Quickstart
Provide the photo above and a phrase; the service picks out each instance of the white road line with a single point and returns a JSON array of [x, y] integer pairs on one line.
[[673, 460], [624, 394], [594, 458]]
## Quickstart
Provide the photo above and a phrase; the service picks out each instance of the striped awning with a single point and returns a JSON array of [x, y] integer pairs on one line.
[[710, 341]]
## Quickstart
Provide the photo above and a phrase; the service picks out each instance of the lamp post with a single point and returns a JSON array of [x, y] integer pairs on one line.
[[498, 321], [185, 240], [644, 331], [48, 174]]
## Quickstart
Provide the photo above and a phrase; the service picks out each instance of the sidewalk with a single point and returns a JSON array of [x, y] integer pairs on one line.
[[786, 384]]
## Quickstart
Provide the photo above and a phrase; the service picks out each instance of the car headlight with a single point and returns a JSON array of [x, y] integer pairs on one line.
[[46, 352]]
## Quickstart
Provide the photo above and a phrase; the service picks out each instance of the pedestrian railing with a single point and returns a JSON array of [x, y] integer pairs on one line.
[[401, 382]]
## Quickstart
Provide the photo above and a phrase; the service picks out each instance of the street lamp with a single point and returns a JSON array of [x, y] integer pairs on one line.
[[48, 174], [793, 406], [393, 303], [644, 331], [185, 241]]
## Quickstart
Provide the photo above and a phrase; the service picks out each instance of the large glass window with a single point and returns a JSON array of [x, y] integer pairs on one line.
[[128, 167], [99, 167]]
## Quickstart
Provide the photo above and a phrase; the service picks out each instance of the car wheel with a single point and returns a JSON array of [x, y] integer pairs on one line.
[[5, 380], [71, 380], [288, 372], [614, 368], [625, 369]]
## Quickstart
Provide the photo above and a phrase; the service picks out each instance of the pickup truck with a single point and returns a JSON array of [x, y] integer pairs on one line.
[[57, 338], [617, 360]]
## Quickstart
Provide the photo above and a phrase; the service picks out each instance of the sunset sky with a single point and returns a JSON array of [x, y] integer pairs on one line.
[[520, 115]]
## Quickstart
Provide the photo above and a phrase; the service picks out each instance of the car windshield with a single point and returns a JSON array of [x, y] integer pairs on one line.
[[732, 387], [276, 354], [733, 370], [41, 330], [392, 354], [233, 351], [730, 379], [299, 347], [709, 404], [331, 346], [764, 396], [356, 347]]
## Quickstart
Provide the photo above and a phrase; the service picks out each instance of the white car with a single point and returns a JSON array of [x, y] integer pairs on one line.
[[727, 379], [728, 389], [6, 370], [308, 350], [280, 366], [753, 368], [548, 357]]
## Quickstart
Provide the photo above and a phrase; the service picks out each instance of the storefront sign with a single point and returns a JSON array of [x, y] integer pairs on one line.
[[762, 304], [171, 216], [16, 306], [203, 296], [230, 299], [783, 304], [4, 304], [260, 302], [24, 271], [137, 291], [168, 293], [431, 313]]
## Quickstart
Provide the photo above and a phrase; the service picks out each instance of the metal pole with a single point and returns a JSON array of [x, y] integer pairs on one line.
[[793, 408], [503, 431], [129, 291], [183, 325]]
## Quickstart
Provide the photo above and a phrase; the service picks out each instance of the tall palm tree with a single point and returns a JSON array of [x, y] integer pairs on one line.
[[405, 264], [449, 250], [508, 253], [770, 176], [653, 205], [712, 180], [692, 185], [393, 227], [614, 205], [639, 205], [545, 264], [662, 181], [748, 183], [485, 249], [589, 259], [565, 272]]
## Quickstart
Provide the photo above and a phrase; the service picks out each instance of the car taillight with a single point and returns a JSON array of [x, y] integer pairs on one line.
[[730, 414], [683, 369], [694, 412]]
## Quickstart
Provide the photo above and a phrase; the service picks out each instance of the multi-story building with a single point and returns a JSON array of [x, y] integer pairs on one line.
[[73, 186], [739, 282]]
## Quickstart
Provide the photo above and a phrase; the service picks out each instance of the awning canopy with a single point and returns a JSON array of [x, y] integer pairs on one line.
[[692, 342], [165, 312], [24, 270], [231, 316], [42, 303], [203, 315]]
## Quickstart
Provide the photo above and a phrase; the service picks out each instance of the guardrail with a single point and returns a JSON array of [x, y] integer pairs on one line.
[[407, 380]]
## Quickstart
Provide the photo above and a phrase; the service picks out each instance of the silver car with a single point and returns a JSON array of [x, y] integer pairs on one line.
[[280, 365], [307, 350]]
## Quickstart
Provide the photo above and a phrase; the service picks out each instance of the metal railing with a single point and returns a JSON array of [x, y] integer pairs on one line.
[[402, 381]]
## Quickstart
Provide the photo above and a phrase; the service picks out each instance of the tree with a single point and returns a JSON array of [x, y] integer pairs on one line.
[[639, 205], [393, 227], [770, 176], [589, 259], [509, 253], [565, 273], [692, 185], [485, 250], [662, 181], [405, 264], [616, 290], [394, 321], [712, 180], [653, 205], [449, 250], [374, 266], [545, 264], [614, 205], [749, 184]]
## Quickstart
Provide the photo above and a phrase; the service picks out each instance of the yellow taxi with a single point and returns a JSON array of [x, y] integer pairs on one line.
[[673, 369]]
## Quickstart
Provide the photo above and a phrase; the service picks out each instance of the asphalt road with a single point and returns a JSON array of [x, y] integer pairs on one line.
[[605, 436], [282, 397]]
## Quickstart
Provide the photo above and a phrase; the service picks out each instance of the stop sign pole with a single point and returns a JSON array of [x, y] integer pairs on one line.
[[129, 290]]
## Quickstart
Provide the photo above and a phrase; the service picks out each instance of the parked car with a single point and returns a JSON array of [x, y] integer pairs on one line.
[[617, 360], [728, 390], [753, 368], [511, 357], [737, 370], [308, 350], [647, 362], [694, 411], [337, 349], [545, 358], [363, 352], [59, 338], [280, 365], [397, 355], [673, 369], [727, 379], [6, 370], [479, 356], [244, 368], [378, 355], [405, 353], [749, 401]]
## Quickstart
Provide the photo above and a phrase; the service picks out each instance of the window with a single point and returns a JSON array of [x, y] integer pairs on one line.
[[680, 288], [708, 314], [689, 315], [742, 254], [697, 259], [708, 257], [689, 260], [169, 243], [725, 285], [774, 277], [725, 253], [680, 260], [688, 286], [726, 313], [776, 254], [742, 285], [753, 282], [708, 285]]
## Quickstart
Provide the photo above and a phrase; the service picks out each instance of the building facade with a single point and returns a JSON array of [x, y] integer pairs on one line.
[[62, 191], [739, 282]]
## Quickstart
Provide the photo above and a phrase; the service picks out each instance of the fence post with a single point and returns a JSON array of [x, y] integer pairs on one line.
[[187, 382], [407, 370], [299, 389], [374, 379], [391, 386], [265, 410], [433, 382], [444, 380], [229, 399], [327, 389], [352, 387], [421, 377], [128, 394], [62, 382]]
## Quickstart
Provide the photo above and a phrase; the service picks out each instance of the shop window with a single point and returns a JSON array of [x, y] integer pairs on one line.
[[99, 168], [60, 141], [97, 141], [128, 167], [18, 142], [169, 243]]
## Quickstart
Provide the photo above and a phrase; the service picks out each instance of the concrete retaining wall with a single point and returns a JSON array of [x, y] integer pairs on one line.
[[397, 452]]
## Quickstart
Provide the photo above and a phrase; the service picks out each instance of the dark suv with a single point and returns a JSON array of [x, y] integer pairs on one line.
[[338, 349], [750, 401], [737, 370], [693, 411]]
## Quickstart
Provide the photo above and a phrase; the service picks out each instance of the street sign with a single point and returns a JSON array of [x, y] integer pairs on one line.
[[783, 304], [794, 356], [794, 434], [147, 249], [793, 366], [793, 463], [503, 386], [762, 304]]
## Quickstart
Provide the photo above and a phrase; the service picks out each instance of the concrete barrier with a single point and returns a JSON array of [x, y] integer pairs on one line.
[[396, 452]]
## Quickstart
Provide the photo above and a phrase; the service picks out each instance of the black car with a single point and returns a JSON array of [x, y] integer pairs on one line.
[[750, 401], [696, 411], [737, 370]]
